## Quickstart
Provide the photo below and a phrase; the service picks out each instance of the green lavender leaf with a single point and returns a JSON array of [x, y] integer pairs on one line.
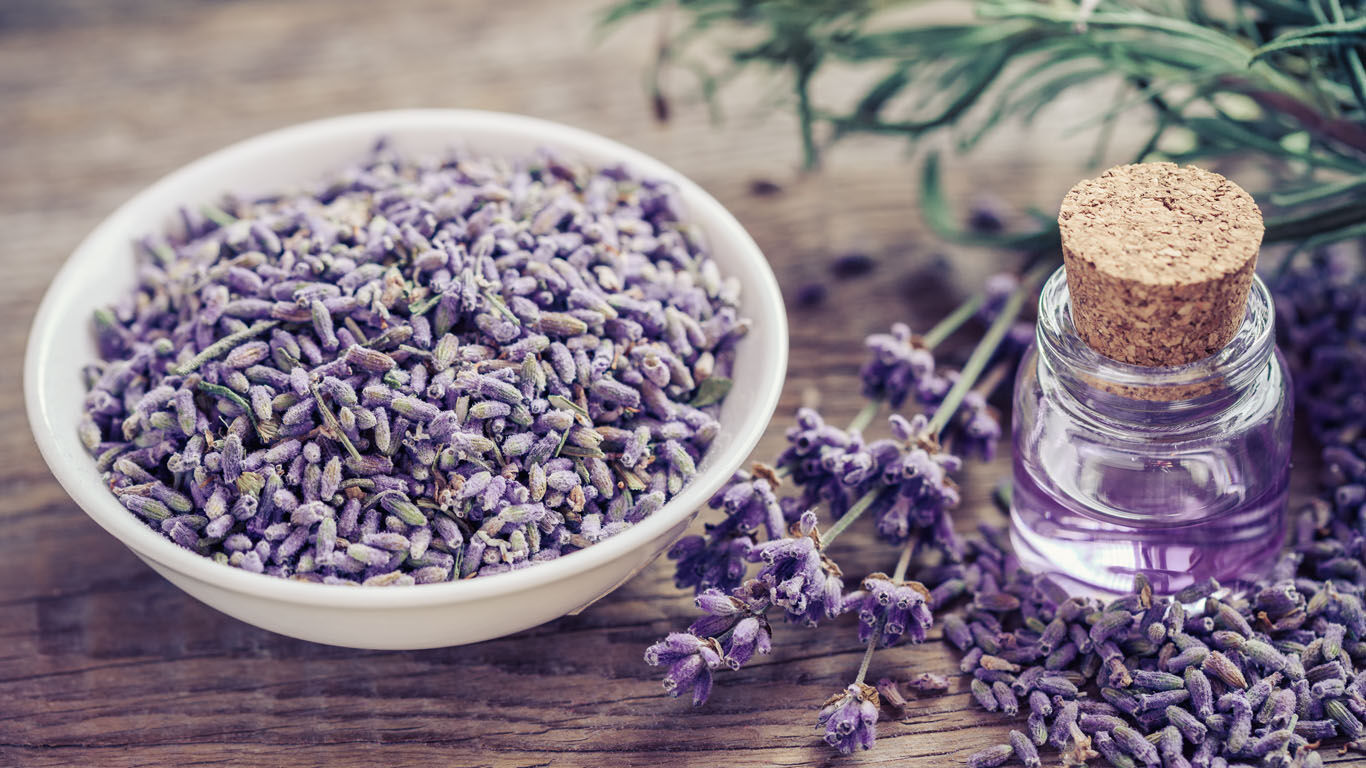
[[711, 391], [1319, 192], [1177, 64]]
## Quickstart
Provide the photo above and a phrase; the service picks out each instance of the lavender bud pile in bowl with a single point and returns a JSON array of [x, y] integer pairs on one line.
[[409, 395]]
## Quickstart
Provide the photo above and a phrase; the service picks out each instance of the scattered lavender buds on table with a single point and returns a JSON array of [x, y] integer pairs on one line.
[[1283, 682], [417, 372]]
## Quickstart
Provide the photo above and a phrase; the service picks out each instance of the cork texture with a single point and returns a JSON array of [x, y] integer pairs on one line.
[[1159, 261]]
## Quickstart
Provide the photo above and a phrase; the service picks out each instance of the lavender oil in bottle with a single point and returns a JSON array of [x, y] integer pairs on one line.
[[1152, 421]]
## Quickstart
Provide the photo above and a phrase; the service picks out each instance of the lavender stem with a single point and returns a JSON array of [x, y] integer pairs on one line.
[[902, 564], [330, 419], [224, 345], [865, 416], [867, 658], [952, 321], [865, 501], [981, 354]]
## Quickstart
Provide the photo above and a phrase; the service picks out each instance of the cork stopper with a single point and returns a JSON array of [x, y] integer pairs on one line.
[[1159, 261]]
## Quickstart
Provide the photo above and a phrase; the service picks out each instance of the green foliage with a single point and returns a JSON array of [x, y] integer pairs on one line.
[[1281, 81]]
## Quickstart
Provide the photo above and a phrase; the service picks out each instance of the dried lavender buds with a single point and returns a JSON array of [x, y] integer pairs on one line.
[[1255, 676], [415, 371]]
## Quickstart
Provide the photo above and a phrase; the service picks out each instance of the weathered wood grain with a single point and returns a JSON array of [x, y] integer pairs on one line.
[[102, 663]]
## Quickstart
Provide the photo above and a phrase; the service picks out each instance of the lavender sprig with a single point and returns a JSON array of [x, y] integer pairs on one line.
[[905, 481], [850, 718]]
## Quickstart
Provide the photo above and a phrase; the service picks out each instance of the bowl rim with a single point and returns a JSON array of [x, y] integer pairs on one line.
[[94, 499]]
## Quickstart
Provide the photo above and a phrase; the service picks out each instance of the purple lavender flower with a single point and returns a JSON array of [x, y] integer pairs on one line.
[[690, 660], [810, 459], [996, 291], [716, 559], [738, 620], [1282, 657], [979, 428], [800, 579], [898, 364], [749, 502], [721, 609], [987, 216], [891, 609], [852, 264], [749, 636], [850, 718], [811, 294], [1320, 307], [924, 494]]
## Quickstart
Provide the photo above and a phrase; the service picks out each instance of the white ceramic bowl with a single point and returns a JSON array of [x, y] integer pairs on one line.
[[422, 616]]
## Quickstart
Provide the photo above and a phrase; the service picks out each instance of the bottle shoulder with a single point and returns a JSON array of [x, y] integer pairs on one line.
[[1041, 401]]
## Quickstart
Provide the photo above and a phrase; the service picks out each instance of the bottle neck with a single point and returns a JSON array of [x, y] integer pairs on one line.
[[1120, 391]]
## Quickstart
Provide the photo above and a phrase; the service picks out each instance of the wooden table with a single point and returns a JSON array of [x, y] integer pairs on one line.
[[103, 663]]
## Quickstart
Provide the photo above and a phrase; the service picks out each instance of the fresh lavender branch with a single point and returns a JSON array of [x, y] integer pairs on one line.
[[902, 564], [942, 330], [1293, 69], [904, 480]]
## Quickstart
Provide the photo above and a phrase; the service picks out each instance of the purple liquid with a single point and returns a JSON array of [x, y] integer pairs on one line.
[[1100, 552], [1177, 473]]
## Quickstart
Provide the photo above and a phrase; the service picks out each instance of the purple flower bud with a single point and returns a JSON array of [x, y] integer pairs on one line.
[[898, 364], [690, 661], [1040, 704], [232, 455], [991, 756], [984, 696], [1162, 699], [850, 719], [1132, 741], [1024, 749], [1157, 681], [1060, 730], [370, 360], [1219, 665], [1094, 723], [1005, 697], [1346, 720], [1056, 685], [928, 682], [1189, 726], [956, 632], [1107, 747], [707, 561], [1110, 624]]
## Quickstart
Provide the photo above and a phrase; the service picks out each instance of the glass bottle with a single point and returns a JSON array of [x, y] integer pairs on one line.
[[1177, 472]]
